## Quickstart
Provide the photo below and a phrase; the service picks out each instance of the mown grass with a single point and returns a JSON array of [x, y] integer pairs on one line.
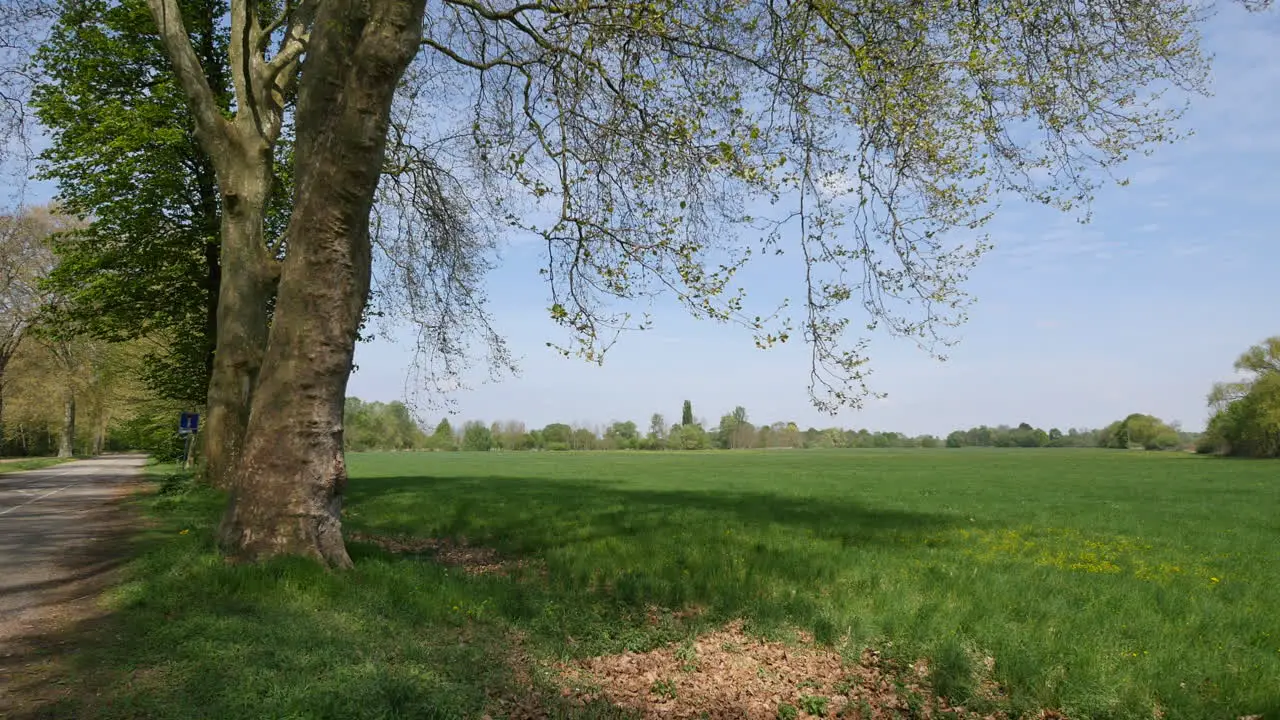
[[1104, 584], [8, 466]]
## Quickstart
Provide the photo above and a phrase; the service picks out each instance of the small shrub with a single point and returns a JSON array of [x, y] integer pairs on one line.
[[787, 711], [860, 711], [1207, 445], [687, 656], [814, 704], [664, 688], [177, 484]]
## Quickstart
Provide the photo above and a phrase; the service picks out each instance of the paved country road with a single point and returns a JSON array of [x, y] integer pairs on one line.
[[61, 533]]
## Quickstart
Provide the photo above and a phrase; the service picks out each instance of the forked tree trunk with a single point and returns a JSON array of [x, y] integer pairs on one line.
[[244, 296], [287, 493], [66, 444]]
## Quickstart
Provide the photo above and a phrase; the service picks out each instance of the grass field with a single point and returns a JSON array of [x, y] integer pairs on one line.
[[1103, 584]]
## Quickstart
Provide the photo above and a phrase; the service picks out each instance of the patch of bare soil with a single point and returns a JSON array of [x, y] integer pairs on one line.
[[729, 674], [454, 552]]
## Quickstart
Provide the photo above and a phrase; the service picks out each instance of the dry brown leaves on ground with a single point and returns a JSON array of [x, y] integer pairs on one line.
[[474, 559], [729, 674]]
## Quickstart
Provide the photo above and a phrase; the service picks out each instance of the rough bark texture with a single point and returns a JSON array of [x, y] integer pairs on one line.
[[287, 494], [241, 153], [9, 339], [244, 293], [66, 444]]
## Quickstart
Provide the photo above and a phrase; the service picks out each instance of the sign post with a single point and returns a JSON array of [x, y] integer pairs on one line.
[[188, 426]]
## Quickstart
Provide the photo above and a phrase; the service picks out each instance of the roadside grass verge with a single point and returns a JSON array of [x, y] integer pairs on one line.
[[8, 465], [1103, 585]]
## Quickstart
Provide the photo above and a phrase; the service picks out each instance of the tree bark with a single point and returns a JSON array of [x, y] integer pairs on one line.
[[66, 444], [244, 296], [287, 495], [241, 154], [6, 353]]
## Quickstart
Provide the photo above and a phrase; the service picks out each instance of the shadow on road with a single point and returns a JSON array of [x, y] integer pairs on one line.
[[65, 534]]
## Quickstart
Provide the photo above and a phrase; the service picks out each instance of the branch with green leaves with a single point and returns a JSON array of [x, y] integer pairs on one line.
[[662, 145]]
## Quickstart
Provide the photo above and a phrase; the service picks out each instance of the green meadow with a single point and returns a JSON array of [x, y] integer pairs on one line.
[[1103, 584]]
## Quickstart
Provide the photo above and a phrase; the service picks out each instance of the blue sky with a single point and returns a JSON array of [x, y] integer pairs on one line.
[[1076, 325]]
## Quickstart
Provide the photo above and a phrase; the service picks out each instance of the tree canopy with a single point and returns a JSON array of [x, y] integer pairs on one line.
[[124, 156], [1145, 431], [1246, 419], [872, 130]]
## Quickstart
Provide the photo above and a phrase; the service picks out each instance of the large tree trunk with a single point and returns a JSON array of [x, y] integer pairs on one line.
[[244, 296], [2, 434], [287, 494], [66, 444], [6, 351]]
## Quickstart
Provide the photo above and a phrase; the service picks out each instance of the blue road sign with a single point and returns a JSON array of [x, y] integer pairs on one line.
[[188, 423]]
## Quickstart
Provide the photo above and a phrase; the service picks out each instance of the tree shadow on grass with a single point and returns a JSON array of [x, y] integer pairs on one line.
[[536, 514], [602, 548], [401, 636]]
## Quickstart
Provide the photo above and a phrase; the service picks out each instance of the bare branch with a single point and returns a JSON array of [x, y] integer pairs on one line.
[[264, 37]]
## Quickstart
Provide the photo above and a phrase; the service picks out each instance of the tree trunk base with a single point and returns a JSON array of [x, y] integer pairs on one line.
[[285, 516], [311, 536]]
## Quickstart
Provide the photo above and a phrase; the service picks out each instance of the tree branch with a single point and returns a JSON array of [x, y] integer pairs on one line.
[[292, 45], [210, 125], [246, 61], [264, 37], [474, 64]]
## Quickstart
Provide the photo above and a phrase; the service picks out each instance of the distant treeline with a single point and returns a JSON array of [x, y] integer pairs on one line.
[[1135, 431], [390, 426]]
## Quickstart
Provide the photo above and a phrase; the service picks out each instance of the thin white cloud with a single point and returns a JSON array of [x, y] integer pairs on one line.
[[1149, 175], [1188, 250]]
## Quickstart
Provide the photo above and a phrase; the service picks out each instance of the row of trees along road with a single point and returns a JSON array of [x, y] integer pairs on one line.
[[358, 159], [60, 392]]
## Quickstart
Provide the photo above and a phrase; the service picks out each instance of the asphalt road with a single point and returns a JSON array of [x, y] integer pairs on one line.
[[60, 529]]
